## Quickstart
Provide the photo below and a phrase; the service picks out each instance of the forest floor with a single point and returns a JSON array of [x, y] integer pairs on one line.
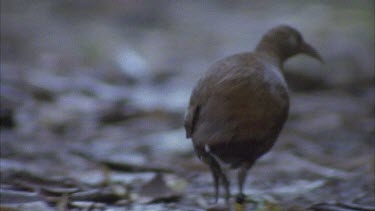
[[93, 96]]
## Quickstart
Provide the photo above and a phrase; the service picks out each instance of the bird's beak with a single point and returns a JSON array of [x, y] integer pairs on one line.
[[309, 50]]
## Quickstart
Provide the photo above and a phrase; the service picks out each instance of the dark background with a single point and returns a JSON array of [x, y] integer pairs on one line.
[[93, 95]]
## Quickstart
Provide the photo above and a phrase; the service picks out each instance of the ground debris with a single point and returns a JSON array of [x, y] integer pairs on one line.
[[157, 190], [341, 206]]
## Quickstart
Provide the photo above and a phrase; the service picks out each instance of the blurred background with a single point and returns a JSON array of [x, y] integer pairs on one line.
[[93, 95]]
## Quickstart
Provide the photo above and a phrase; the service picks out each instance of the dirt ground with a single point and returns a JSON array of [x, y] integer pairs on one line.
[[93, 95]]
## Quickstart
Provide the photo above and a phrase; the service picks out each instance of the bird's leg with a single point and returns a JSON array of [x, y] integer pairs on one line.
[[215, 176], [226, 187], [242, 173], [219, 174]]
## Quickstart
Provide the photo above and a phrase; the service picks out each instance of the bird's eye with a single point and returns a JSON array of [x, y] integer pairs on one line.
[[299, 39], [293, 40]]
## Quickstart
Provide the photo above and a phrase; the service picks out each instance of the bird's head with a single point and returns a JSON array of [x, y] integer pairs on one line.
[[284, 42]]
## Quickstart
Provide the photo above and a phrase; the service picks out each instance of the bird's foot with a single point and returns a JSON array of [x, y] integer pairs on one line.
[[240, 202], [240, 198]]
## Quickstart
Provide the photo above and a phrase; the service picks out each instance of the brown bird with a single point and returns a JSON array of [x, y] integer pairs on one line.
[[238, 108]]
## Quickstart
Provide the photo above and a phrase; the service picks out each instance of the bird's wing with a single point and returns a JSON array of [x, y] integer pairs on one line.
[[191, 119], [193, 112], [205, 89]]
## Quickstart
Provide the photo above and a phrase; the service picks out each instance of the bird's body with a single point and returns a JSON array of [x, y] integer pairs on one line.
[[238, 108], [249, 104]]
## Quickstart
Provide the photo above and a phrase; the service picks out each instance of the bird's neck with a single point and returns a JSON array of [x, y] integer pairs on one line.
[[270, 53]]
